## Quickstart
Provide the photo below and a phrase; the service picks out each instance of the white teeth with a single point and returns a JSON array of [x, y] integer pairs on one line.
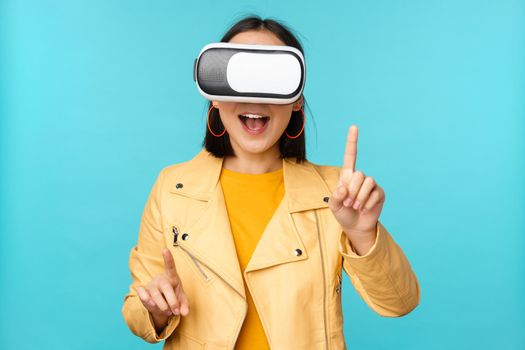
[[255, 116]]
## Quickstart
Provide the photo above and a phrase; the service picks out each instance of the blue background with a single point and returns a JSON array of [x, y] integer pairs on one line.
[[98, 96]]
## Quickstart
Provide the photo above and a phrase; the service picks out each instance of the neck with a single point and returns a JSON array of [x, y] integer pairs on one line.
[[254, 163]]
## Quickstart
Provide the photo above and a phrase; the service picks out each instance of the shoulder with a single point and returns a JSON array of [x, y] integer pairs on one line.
[[329, 173], [198, 161], [171, 169], [168, 174], [197, 171]]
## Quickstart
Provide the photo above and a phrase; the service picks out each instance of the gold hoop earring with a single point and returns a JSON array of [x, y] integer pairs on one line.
[[209, 127], [300, 132]]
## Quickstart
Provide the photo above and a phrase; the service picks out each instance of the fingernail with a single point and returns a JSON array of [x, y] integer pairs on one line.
[[357, 205], [347, 202]]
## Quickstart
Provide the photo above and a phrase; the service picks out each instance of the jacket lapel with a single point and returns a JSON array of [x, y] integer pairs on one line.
[[290, 228], [211, 238]]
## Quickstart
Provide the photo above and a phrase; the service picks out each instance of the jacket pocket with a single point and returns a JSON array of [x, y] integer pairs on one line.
[[199, 268]]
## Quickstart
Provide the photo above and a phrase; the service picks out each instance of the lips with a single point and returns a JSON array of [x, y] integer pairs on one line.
[[254, 123]]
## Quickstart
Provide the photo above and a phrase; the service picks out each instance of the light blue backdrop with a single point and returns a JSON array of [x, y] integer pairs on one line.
[[98, 96]]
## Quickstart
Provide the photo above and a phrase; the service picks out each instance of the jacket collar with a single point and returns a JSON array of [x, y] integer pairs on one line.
[[297, 178], [290, 226]]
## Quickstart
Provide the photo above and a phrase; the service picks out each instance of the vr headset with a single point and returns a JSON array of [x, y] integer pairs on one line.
[[250, 73]]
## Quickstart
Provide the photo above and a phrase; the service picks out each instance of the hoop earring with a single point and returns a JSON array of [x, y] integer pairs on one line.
[[300, 132], [209, 127]]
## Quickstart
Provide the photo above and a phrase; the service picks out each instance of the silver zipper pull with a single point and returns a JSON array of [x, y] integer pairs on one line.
[[175, 235]]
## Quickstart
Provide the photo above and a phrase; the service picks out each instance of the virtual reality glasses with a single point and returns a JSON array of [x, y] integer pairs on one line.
[[250, 73]]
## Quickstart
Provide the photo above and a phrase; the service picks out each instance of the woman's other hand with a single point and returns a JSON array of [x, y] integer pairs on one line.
[[164, 296], [357, 200]]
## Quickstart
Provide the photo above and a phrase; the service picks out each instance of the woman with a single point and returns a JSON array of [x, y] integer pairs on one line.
[[243, 245]]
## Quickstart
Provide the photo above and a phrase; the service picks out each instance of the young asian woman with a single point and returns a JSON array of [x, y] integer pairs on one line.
[[244, 245]]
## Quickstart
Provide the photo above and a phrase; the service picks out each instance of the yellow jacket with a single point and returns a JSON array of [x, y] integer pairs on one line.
[[294, 274]]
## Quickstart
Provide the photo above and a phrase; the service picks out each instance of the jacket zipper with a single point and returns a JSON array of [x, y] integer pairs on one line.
[[324, 281], [339, 283], [207, 279], [197, 263], [193, 258]]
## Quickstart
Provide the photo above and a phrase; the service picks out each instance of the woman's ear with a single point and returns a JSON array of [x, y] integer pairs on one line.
[[298, 104], [215, 104]]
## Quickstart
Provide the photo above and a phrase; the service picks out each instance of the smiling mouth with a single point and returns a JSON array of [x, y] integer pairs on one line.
[[254, 122]]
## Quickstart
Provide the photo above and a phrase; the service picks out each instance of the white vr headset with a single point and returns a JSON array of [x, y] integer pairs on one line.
[[250, 73]]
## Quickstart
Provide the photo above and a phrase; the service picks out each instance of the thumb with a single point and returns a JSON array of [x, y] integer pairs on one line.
[[336, 201]]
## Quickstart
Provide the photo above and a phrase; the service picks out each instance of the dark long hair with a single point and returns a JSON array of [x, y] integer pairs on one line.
[[221, 146]]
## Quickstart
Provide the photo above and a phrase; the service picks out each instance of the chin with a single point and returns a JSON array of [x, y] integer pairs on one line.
[[254, 149], [259, 146]]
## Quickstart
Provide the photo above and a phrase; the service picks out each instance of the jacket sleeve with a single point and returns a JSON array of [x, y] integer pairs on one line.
[[145, 262], [383, 276]]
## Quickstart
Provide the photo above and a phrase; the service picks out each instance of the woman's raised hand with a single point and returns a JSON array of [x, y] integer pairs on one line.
[[163, 296], [357, 200]]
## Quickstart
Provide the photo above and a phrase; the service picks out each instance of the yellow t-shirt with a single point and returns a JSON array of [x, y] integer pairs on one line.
[[251, 200]]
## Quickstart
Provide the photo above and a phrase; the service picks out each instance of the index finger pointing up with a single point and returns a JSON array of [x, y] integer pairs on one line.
[[351, 149], [169, 263]]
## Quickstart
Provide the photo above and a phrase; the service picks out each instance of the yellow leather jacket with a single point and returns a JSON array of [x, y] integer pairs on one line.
[[294, 274]]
